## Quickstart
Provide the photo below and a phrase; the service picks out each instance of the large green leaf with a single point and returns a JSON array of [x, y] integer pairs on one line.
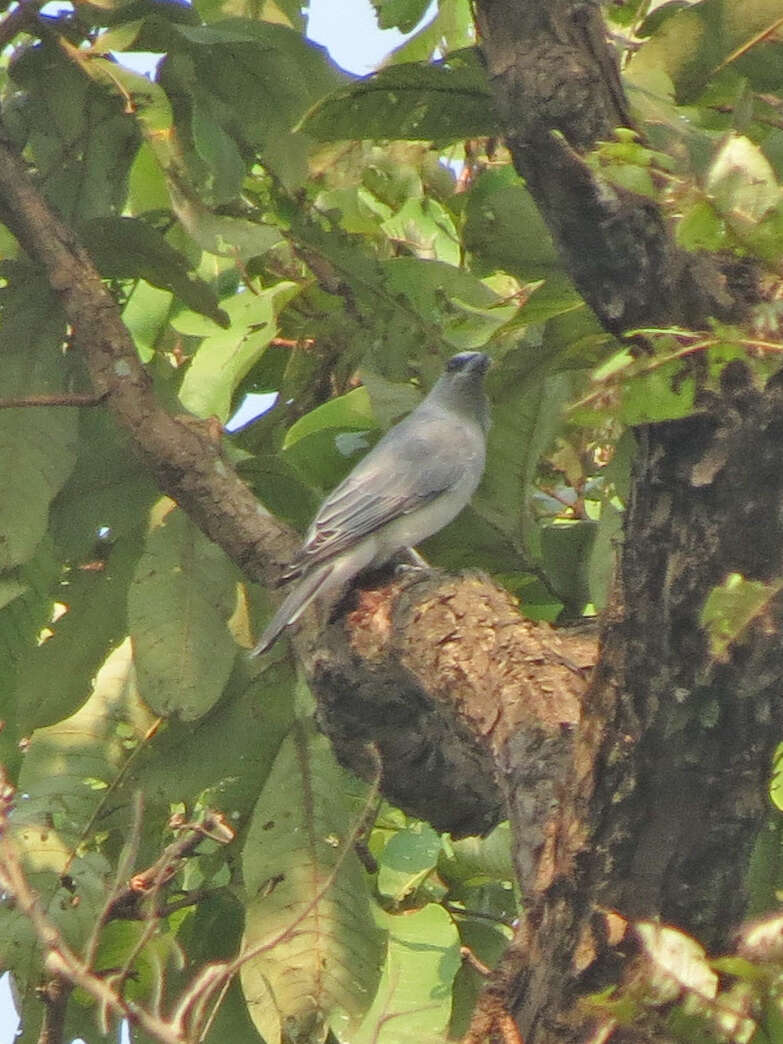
[[261, 78], [468, 311], [733, 607], [224, 358], [128, 248], [182, 595], [330, 961], [693, 44], [55, 678], [225, 757], [503, 226], [407, 860], [400, 14], [98, 521], [81, 139], [325, 443], [22, 621], [413, 1003], [37, 445], [741, 181], [68, 771], [443, 101]]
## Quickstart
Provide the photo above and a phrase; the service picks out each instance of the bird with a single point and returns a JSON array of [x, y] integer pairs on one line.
[[412, 483]]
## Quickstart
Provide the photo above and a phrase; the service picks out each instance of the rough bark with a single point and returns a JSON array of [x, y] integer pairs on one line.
[[672, 754], [558, 93], [470, 706]]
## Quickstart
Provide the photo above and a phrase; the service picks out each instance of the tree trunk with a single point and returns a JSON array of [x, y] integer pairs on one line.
[[667, 789]]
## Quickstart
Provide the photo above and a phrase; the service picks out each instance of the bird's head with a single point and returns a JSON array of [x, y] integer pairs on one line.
[[461, 387], [468, 364]]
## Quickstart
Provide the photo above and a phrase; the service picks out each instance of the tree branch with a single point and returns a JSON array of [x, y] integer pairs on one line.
[[558, 92], [186, 465], [65, 399]]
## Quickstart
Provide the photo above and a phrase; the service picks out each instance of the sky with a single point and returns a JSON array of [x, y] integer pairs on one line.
[[347, 28]]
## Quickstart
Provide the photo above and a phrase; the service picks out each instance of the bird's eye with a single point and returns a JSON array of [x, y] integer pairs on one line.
[[456, 362]]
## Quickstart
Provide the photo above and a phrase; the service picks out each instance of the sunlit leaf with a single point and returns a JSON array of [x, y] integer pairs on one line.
[[304, 886], [413, 1002], [406, 861], [180, 600], [732, 607], [443, 101]]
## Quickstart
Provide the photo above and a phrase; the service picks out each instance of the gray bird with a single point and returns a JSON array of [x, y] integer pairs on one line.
[[413, 482]]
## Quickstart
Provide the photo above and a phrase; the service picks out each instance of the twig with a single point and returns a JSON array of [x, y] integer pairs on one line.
[[126, 861], [470, 958], [462, 911], [64, 399], [59, 959]]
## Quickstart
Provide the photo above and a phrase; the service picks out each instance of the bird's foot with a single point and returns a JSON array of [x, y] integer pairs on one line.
[[410, 561]]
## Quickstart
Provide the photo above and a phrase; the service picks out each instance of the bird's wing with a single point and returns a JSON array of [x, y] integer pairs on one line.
[[396, 477]]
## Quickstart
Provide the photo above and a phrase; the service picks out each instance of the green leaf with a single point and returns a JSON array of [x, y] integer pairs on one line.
[[526, 418], [661, 394], [702, 228], [404, 15], [443, 101], [217, 149], [504, 228], [741, 180], [223, 359], [147, 187], [128, 248], [181, 596], [452, 29], [81, 139], [325, 443], [732, 607], [37, 446], [475, 858], [264, 77], [467, 309], [426, 228], [565, 553], [56, 677], [226, 756], [330, 960], [603, 555], [145, 316], [692, 45], [390, 401], [413, 1002], [51, 823], [21, 622], [10, 589], [151, 107], [408, 858]]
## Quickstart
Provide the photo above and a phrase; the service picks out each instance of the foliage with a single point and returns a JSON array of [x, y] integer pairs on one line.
[[270, 225]]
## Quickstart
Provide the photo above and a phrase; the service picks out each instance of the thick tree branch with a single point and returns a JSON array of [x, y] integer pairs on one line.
[[471, 707], [558, 92], [664, 799]]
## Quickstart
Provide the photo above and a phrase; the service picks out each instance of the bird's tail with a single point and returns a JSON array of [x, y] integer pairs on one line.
[[293, 606]]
